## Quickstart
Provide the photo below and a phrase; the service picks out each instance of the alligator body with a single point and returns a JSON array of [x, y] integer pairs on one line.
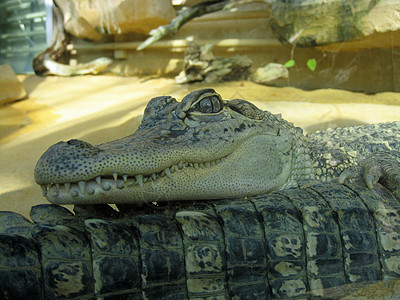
[[302, 237], [205, 147], [280, 245]]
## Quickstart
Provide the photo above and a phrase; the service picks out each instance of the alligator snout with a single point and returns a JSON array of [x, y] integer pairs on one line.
[[63, 159]]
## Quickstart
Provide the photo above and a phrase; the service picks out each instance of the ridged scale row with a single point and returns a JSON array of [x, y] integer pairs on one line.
[[279, 245]]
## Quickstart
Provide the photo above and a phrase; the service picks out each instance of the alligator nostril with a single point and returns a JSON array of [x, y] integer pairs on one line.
[[74, 142], [80, 144]]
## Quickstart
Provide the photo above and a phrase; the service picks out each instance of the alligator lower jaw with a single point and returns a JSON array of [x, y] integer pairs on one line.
[[97, 190]]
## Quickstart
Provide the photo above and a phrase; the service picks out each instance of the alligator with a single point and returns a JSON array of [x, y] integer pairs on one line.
[[257, 212], [205, 147], [278, 245]]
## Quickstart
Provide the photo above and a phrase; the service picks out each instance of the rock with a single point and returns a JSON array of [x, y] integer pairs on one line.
[[361, 24], [201, 65], [269, 73], [318, 22], [379, 28], [92, 19], [383, 17], [10, 87], [387, 289]]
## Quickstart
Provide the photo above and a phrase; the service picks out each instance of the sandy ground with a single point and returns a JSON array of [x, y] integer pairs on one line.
[[102, 108]]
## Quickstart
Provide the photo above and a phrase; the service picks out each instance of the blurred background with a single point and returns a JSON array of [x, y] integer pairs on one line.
[[86, 69]]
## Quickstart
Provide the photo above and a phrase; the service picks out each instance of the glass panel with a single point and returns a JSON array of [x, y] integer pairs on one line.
[[22, 33]]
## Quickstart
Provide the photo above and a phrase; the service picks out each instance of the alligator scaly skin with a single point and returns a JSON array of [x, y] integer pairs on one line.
[[279, 245]]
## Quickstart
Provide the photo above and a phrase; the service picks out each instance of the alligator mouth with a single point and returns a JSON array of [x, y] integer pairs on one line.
[[105, 183]]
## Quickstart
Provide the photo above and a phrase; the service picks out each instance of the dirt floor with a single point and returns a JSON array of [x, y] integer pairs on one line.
[[103, 108]]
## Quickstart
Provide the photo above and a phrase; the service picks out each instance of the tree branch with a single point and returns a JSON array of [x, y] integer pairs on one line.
[[184, 16]]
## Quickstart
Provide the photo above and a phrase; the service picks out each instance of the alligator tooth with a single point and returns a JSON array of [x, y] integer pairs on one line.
[[196, 165], [98, 180], [168, 173], [145, 178], [125, 177], [139, 179], [180, 164], [115, 175], [44, 190], [153, 176], [82, 186], [130, 182], [90, 191], [106, 186], [213, 163], [201, 165], [74, 193], [120, 185], [207, 164], [57, 186], [67, 186]]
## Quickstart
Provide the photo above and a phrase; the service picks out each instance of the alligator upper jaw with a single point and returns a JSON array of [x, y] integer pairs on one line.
[[93, 189]]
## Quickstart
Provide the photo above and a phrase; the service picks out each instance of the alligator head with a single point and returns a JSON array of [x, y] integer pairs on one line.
[[203, 147]]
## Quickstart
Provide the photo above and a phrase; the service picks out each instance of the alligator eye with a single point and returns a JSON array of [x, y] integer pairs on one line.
[[209, 105]]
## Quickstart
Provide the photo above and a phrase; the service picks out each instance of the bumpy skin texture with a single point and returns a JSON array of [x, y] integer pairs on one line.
[[280, 245], [205, 147]]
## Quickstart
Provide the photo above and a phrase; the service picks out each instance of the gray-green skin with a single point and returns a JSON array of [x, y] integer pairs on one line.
[[205, 147], [280, 245]]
